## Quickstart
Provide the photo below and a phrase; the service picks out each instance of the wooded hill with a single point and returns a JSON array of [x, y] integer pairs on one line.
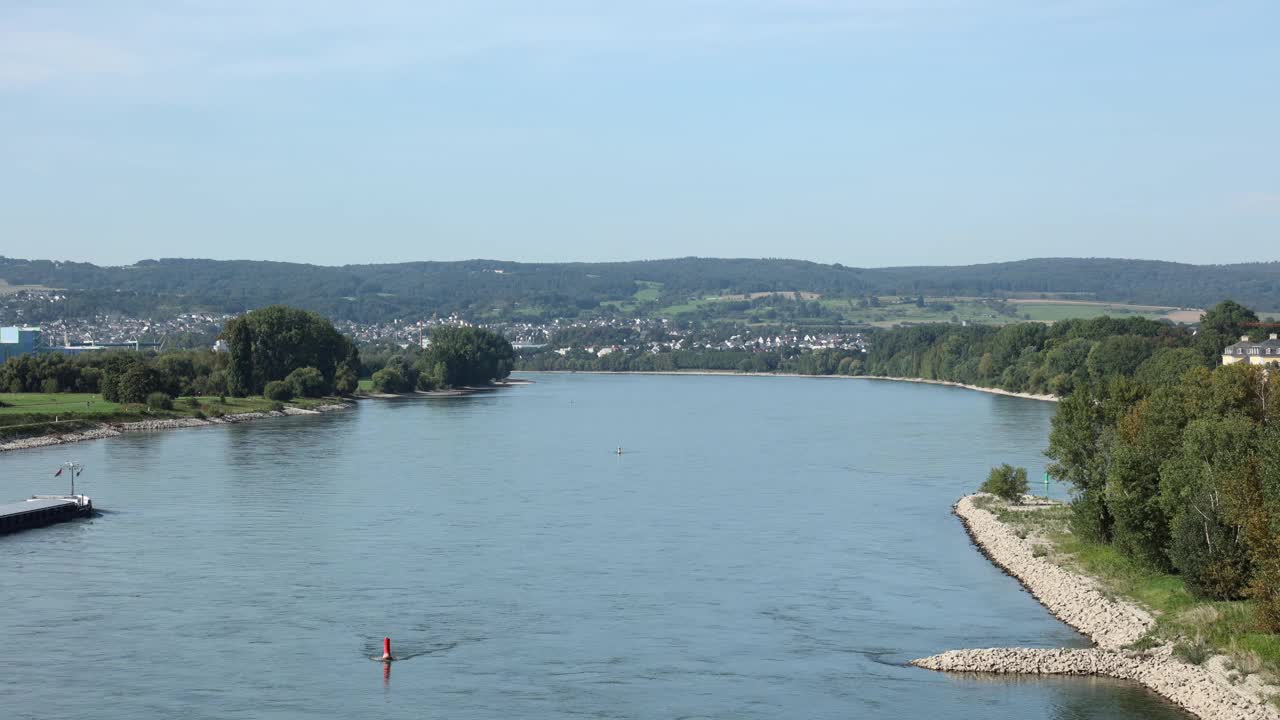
[[506, 290]]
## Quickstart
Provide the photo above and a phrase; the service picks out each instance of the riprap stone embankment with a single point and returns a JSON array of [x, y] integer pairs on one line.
[[1203, 690]]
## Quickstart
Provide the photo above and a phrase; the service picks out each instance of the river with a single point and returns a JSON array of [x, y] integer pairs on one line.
[[762, 548]]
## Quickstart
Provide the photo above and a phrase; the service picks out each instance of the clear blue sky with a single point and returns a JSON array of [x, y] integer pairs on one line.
[[866, 132]]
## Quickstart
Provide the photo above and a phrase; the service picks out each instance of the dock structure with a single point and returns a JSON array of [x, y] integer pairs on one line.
[[42, 510]]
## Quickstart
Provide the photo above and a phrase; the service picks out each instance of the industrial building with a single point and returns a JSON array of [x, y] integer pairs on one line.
[[16, 341]]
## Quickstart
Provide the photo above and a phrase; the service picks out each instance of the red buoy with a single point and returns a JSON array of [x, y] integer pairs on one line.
[[386, 648]]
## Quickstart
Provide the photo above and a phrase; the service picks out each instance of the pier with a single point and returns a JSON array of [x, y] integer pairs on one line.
[[42, 510]]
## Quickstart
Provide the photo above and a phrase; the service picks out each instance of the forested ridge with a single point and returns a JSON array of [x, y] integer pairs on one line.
[[504, 290]]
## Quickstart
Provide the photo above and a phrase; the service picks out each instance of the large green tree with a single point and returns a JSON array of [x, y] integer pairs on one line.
[[269, 343], [1222, 325]]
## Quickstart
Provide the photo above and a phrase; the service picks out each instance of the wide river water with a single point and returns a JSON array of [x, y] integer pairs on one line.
[[763, 548]]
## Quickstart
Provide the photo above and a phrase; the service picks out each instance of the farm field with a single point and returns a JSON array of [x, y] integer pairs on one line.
[[890, 311], [7, 289], [1054, 310]]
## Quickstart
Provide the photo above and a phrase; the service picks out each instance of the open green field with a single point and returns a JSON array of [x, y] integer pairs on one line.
[[890, 310], [648, 291], [55, 403], [1049, 311], [7, 289], [31, 414], [1225, 627]]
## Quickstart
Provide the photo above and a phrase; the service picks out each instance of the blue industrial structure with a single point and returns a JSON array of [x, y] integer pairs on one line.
[[16, 341]]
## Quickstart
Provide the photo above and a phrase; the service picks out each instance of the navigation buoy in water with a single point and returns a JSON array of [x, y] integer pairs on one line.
[[386, 650]]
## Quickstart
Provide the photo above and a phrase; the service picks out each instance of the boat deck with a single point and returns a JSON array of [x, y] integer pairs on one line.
[[43, 510], [36, 505]]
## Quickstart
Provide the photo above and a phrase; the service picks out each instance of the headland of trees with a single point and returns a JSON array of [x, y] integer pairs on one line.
[[275, 357]]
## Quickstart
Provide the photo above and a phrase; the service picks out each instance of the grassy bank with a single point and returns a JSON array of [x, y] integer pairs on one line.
[[1198, 628], [34, 414]]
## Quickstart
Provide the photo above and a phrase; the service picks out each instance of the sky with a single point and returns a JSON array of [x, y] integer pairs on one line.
[[865, 132]]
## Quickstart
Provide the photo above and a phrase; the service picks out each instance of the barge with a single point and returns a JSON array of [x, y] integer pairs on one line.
[[41, 510]]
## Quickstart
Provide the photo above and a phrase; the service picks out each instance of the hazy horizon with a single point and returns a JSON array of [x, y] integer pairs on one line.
[[618, 260]]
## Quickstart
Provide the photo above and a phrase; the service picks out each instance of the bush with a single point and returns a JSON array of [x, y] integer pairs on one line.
[[1192, 651], [390, 380], [345, 382], [198, 414], [193, 402], [277, 407], [50, 385], [159, 401], [1007, 483], [1039, 551], [307, 382], [278, 390]]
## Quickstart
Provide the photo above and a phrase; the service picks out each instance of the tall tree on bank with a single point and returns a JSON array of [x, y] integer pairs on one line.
[[269, 343], [1222, 325], [461, 356], [240, 370]]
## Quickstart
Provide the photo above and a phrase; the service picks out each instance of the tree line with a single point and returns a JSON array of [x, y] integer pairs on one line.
[[817, 362], [1182, 476], [299, 351], [457, 357], [1177, 465]]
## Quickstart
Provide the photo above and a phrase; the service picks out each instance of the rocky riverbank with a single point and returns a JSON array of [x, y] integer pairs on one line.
[[1204, 690], [107, 430]]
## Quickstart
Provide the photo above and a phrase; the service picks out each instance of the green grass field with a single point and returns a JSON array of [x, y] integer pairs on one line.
[[92, 406], [899, 310], [31, 414], [1053, 312], [1227, 627], [648, 291], [55, 403]]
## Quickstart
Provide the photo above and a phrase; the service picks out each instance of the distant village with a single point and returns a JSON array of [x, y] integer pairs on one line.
[[599, 337]]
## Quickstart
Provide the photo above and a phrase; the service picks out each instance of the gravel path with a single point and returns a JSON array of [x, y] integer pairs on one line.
[[1201, 689]]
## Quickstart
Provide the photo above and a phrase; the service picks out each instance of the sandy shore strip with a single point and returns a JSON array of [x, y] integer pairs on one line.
[[1203, 690], [115, 429], [732, 373]]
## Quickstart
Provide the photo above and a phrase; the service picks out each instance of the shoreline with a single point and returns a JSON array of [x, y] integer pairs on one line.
[[108, 430], [734, 373], [451, 393], [1113, 625]]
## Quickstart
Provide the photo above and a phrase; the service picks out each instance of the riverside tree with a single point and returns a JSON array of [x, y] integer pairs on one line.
[[269, 343], [1182, 476], [1006, 482]]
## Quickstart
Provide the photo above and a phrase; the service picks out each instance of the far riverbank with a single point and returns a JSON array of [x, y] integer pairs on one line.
[[732, 373]]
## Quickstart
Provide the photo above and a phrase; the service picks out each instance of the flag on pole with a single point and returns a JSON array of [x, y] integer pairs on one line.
[[58, 473], [79, 472]]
